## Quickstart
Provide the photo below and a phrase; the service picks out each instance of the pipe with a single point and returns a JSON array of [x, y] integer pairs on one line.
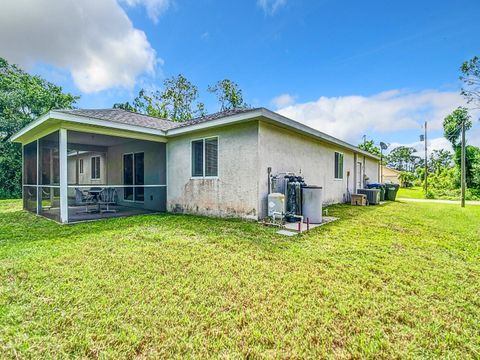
[[269, 172]]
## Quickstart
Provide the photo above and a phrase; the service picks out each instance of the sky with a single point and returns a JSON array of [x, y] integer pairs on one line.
[[347, 68]]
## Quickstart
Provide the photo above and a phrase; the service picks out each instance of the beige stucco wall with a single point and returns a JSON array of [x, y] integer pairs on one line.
[[234, 192], [372, 170], [154, 172], [287, 151], [85, 177], [390, 175], [245, 153]]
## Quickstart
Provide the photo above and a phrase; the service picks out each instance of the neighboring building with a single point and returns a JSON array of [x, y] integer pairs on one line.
[[214, 165], [390, 175]]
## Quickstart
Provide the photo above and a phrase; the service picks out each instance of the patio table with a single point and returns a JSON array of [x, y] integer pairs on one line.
[[95, 192]]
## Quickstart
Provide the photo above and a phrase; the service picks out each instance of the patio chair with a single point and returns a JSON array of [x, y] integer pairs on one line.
[[107, 197], [47, 194], [84, 199]]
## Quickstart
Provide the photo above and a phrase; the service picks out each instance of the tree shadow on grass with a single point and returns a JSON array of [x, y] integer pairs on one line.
[[21, 226]]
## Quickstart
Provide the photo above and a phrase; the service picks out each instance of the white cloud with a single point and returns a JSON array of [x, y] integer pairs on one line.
[[94, 40], [155, 8], [283, 100], [432, 144], [270, 7], [349, 117]]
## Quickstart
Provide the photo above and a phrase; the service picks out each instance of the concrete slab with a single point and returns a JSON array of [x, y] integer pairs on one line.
[[293, 227], [287, 233]]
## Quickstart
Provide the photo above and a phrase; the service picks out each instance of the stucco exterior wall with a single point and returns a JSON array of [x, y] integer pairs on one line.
[[372, 170], [85, 177], [234, 192], [155, 172], [287, 151], [390, 175]]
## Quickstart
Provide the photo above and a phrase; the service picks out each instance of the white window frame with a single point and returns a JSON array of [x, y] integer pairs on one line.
[[81, 168], [204, 159], [343, 166], [133, 174], [99, 167]]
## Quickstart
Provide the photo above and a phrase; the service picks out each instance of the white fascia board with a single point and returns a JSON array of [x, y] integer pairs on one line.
[[31, 126], [85, 120], [313, 132]]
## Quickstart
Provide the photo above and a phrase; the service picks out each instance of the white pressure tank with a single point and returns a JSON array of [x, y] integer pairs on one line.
[[312, 199], [276, 203]]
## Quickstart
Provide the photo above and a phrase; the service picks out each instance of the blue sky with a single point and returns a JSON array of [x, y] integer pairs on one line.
[[345, 67]]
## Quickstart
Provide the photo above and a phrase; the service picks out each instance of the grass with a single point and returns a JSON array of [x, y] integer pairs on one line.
[[401, 280], [415, 192]]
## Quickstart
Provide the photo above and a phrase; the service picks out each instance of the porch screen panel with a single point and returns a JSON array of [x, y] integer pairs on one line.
[[139, 176], [30, 164], [49, 176], [30, 177], [128, 176]]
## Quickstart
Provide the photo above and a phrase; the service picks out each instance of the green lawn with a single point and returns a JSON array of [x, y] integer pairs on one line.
[[401, 280], [415, 192]]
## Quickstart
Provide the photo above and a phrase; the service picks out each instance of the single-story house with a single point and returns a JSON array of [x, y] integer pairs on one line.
[[390, 175], [212, 165]]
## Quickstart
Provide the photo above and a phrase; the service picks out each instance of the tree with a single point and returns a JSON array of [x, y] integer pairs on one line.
[[439, 160], [401, 158], [472, 165], [369, 146], [148, 104], [452, 130], [178, 98], [23, 98], [229, 94], [406, 178], [471, 80], [452, 125], [175, 102]]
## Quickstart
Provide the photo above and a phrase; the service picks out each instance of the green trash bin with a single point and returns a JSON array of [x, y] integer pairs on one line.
[[391, 193], [380, 187]]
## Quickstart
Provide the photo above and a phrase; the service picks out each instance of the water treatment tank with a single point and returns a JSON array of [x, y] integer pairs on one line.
[[276, 203], [312, 204]]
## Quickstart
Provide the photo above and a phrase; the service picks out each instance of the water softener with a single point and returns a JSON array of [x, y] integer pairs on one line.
[[293, 194]]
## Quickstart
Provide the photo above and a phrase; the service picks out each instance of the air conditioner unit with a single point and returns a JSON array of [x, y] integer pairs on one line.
[[373, 195]]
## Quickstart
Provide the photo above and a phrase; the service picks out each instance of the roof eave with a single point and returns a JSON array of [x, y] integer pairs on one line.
[[313, 132], [275, 118], [84, 120]]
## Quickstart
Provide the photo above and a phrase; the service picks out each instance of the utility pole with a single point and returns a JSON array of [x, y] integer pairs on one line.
[[426, 160], [463, 164], [364, 139]]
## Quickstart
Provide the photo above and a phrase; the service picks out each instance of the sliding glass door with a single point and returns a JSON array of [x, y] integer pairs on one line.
[[134, 174]]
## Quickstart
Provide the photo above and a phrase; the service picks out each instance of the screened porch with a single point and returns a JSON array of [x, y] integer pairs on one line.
[[72, 176]]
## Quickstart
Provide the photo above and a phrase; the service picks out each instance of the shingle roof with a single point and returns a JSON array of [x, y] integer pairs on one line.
[[214, 116], [132, 118], [124, 117]]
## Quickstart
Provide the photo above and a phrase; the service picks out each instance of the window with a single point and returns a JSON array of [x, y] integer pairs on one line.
[[338, 165], [134, 174], [80, 166], [95, 167], [205, 157]]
